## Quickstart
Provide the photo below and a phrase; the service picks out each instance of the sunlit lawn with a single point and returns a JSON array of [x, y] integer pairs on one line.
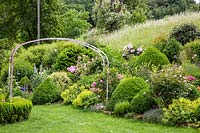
[[65, 119]]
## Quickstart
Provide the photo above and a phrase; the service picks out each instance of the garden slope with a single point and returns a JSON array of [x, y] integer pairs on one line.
[[143, 34]]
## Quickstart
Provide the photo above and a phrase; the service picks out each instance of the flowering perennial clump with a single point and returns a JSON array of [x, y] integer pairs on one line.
[[130, 50]]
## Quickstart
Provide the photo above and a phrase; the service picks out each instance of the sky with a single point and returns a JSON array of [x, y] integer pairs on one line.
[[198, 1]]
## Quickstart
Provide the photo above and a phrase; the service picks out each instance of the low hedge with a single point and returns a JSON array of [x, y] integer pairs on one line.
[[15, 111]]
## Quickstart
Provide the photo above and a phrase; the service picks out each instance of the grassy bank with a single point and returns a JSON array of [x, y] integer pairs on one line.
[[143, 34], [66, 119]]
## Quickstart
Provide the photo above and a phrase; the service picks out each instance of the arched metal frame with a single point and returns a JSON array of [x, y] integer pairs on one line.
[[95, 49]]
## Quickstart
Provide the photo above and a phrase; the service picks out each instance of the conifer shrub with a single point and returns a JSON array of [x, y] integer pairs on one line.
[[46, 92], [142, 102], [126, 90], [152, 57]]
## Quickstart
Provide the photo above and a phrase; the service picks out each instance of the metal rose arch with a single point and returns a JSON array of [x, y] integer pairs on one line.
[[95, 49]]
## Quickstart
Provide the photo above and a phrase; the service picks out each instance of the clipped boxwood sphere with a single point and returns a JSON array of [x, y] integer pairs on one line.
[[17, 110], [142, 102], [46, 92], [126, 90], [152, 57]]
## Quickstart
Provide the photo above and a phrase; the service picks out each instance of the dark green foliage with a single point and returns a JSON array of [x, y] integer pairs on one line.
[[46, 92], [15, 111], [184, 33], [160, 9], [171, 48], [192, 51], [69, 56], [169, 83], [152, 57], [26, 84], [122, 108], [126, 90], [142, 102], [153, 116]]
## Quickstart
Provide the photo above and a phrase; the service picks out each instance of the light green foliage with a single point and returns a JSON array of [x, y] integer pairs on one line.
[[192, 51], [181, 112], [152, 57], [169, 83], [185, 33], [109, 17], [46, 92], [126, 90], [142, 102], [85, 99], [61, 79], [170, 47], [22, 68], [15, 111], [26, 83], [122, 108], [71, 93]]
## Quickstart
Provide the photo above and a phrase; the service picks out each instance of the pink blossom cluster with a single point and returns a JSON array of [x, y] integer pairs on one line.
[[72, 69], [190, 78]]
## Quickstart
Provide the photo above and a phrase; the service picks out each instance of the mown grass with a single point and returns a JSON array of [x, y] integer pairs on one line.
[[66, 119], [144, 34]]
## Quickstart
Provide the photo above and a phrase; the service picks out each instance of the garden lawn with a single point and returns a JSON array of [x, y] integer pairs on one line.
[[66, 119]]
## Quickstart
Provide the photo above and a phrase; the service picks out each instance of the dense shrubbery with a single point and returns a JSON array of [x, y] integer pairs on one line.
[[170, 83], [61, 79], [142, 102], [85, 99], [71, 93], [153, 116], [15, 111], [122, 108], [184, 33], [153, 57], [126, 90], [69, 56], [192, 51], [182, 112], [171, 48], [46, 92]]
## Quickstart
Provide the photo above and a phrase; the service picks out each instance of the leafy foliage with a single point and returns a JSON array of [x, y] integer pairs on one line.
[[153, 116], [184, 33], [15, 111], [85, 99], [142, 102], [122, 108], [152, 57], [169, 83], [126, 90], [171, 48], [181, 112], [46, 92]]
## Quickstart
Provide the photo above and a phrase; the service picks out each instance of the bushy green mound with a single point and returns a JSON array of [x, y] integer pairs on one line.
[[126, 90], [170, 47], [15, 111], [122, 108], [61, 79], [185, 33], [142, 102], [46, 92], [85, 99], [152, 57], [192, 51]]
